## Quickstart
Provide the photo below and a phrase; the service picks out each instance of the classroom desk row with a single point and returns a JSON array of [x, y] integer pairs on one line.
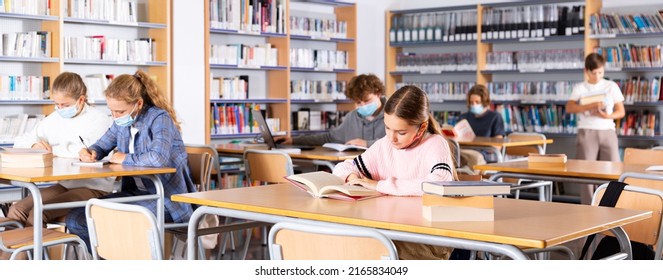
[[63, 169]]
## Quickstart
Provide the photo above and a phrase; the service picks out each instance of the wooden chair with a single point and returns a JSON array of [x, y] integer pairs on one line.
[[641, 197], [295, 241], [268, 166], [120, 231], [544, 187]]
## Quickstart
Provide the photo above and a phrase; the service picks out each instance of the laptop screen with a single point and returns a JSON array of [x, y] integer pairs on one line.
[[264, 129]]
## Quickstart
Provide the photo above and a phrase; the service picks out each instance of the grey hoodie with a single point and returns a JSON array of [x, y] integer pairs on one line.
[[353, 126]]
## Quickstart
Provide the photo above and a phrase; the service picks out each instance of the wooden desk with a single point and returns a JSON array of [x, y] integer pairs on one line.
[[575, 171], [518, 223], [62, 169], [499, 145], [319, 156]]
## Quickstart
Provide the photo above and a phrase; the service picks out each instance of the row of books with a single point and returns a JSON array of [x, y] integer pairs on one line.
[[244, 55], [250, 16], [629, 55], [533, 118], [442, 26], [641, 123], [111, 10], [318, 28], [17, 124], [640, 89], [323, 90], [24, 87], [30, 7], [236, 87], [447, 117], [532, 21], [96, 85], [531, 91], [99, 47], [306, 119], [436, 63], [613, 23], [535, 60], [233, 118], [442, 91], [234, 180], [318, 59], [26, 44]]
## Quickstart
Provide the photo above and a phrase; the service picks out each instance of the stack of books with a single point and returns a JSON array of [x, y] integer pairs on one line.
[[461, 201], [546, 160], [25, 158]]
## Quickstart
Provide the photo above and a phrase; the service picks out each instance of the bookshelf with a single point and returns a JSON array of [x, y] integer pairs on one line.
[[152, 21], [269, 86], [490, 43]]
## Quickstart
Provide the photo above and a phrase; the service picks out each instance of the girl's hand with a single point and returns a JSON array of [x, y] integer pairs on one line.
[[118, 157], [364, 182], [42, 145], [352, 176], [87, 156], [357, 142]]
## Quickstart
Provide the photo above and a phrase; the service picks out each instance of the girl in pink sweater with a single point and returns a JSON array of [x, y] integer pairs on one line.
[[413, 150]]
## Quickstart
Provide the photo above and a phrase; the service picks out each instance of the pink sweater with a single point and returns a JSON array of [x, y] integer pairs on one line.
[[400, 172]]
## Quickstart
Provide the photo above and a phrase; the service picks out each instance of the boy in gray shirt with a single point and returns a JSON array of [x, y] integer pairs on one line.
[[361, 127]]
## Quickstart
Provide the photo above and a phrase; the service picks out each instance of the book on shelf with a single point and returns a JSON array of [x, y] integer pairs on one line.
[[465, 188], [546, 160], [437, 208], [99, 163], [327, 185], [343, 147], [462, 131], [25, 158]]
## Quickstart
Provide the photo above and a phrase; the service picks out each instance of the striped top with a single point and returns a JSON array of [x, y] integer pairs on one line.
[[401, 171]]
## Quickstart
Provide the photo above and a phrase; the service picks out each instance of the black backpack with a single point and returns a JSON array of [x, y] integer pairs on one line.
[[609, 245]]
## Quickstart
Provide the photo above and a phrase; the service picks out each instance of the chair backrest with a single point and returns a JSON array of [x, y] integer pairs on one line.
[[454, 147], [525, 150], [270, 166], [640, 198], [120, 231], [643, 156], [203, 165], [290, 241]]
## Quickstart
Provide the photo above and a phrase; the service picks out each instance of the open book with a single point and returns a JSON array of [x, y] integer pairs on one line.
[[343, 147], [323, 184], [462, 131]]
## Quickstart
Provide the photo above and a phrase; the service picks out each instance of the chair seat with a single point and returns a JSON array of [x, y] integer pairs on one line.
[[14, 239]]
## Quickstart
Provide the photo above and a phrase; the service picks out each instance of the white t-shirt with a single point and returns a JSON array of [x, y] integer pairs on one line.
[[586, 120], [62, 134]]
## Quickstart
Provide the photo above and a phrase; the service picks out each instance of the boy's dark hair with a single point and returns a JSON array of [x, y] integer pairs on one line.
[[594, 61], [482, 92], [360, 85]]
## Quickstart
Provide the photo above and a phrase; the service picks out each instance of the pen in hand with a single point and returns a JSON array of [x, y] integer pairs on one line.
[[86, 147]]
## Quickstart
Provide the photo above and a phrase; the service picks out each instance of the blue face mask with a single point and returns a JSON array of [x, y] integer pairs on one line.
[[476, 109], [127, 119], [67, 112], [368, 109]]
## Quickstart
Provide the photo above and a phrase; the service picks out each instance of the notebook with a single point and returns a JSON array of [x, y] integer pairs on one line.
[[269, 139]]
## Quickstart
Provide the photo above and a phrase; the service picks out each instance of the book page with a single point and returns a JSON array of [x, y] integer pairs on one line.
[[316, 180], [343, 147], [350, 190], [99, 163], [464, 131], [23, 150]]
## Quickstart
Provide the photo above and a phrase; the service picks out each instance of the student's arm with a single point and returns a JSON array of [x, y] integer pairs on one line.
[[106, 143], [618, 112], [314, 139], [437, 164], [163, 132], [498, 126]]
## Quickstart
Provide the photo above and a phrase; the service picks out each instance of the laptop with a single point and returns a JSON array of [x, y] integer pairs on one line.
[[269, 139]]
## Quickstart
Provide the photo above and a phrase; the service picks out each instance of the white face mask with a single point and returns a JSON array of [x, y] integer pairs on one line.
[[67, 112], [127, 119], [476, 109]]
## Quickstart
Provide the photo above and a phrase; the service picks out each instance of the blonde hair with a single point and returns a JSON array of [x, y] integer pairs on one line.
[[71, 85], [130, 88]]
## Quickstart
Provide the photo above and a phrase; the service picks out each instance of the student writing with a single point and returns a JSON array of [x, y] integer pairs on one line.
[[361, 127], [145, 132], [59, 133]]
